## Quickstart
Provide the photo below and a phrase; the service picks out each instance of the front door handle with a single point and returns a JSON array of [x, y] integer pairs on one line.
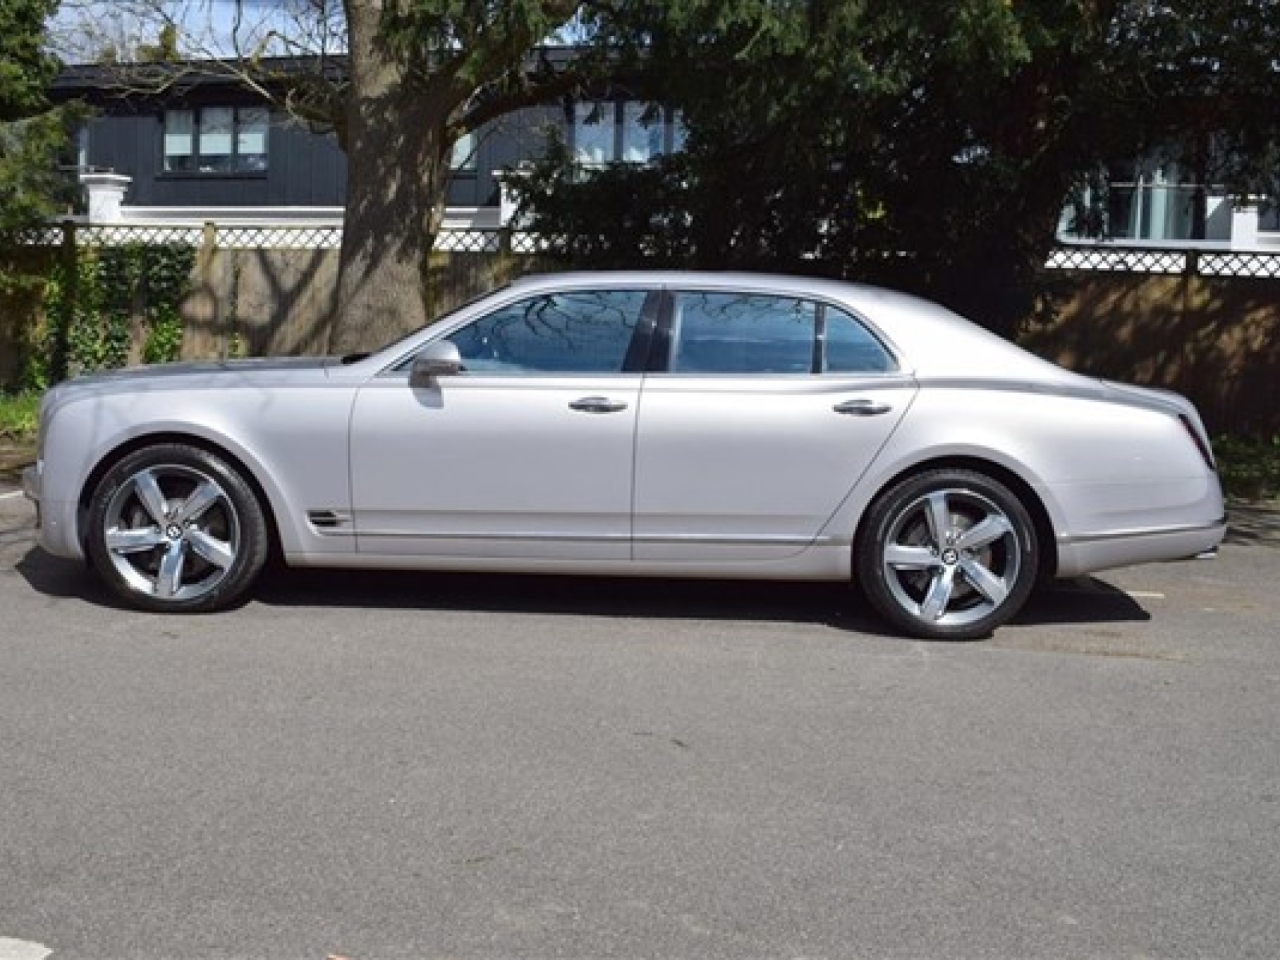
[[862, 408], [597, 405]]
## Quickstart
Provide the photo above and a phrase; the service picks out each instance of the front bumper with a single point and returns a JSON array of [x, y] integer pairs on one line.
[[31, 477], [31, 483]]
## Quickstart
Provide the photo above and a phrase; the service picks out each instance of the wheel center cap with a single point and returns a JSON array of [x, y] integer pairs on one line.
[[173, 532], [950, 556]]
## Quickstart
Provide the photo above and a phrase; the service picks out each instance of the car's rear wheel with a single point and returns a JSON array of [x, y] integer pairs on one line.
[[176, 528], [947, 554]]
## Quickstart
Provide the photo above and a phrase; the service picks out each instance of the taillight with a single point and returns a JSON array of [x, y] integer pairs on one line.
[[1198, 440]]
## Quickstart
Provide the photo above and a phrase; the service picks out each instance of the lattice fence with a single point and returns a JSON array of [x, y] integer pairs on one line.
[[1192, 262], [308, 237], [328, 236], [1118, 259], [111, 235], [1239, 264], [266, 237]]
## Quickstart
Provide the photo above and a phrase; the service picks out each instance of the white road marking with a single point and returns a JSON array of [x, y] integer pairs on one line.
[[1145, 595], [9, 496], [22, 950]]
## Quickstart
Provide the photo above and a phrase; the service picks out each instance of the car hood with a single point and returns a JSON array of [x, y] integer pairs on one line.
[[195, 369], [216, 374]]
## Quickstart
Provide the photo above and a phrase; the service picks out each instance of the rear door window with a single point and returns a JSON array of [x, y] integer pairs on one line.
[[749, 333]]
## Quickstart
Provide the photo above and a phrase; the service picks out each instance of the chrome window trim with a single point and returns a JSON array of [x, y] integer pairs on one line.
[[668, 324]]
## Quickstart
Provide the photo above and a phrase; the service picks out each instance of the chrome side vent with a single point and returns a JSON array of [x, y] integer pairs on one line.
[[329, 519]]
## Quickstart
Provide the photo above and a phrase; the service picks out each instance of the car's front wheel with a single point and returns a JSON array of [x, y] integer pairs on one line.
[[176, 528], [947, 554]]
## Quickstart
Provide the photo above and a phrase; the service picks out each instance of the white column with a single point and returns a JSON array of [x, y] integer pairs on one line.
[[506, 197], [106, 194], [1244, 227]]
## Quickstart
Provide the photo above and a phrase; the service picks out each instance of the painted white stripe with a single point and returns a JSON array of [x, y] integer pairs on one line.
[[1145, 594], [22, 950], [9, 496]]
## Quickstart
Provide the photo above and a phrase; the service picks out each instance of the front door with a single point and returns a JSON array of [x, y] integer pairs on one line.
[[528, 452]]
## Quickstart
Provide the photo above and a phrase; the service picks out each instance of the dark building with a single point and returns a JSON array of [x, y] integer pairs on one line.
[[209, 141]]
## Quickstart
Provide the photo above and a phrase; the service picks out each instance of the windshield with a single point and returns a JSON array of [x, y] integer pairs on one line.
[[391, 345]]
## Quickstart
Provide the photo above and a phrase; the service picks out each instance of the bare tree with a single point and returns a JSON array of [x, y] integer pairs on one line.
[[398, 81]]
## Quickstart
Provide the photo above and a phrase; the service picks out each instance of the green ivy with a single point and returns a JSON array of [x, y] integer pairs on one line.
[[166, 272], [94, 304], [1249, 466]]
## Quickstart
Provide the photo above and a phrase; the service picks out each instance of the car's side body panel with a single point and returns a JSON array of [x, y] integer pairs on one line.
[[1137, 490], [512, 467], [743, 469], [288, 428]]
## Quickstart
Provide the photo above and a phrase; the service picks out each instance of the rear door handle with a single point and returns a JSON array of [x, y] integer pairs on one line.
[[862, 408], [597, 405]]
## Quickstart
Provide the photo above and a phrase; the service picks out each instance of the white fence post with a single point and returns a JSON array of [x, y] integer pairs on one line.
[[106, 194], [1244, 227]]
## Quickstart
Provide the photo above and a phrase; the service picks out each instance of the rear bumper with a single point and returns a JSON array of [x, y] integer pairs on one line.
[[1079, 556]]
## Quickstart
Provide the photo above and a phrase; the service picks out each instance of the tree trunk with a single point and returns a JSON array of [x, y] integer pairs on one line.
[[397, 173]]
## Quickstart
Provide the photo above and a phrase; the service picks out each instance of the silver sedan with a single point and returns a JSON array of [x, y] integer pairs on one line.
[[639, 423]]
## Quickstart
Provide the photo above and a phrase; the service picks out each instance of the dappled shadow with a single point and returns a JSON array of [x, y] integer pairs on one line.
[[285, 300], [1254, 523], [260, 302], [454, 278], [1214, 339]]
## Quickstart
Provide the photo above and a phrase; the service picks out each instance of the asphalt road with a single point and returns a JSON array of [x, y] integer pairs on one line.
[[417, 766]]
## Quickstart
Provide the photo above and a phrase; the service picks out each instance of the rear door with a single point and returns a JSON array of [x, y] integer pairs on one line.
[[767, 410]]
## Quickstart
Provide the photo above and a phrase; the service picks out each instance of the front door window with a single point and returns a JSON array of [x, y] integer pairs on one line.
[[589, 332]]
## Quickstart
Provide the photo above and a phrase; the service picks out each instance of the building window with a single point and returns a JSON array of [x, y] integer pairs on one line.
[[625, 131], [216, 140], [465, 153]]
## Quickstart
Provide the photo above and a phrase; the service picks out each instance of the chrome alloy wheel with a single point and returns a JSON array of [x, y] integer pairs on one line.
[[951, 557], [171, 532]]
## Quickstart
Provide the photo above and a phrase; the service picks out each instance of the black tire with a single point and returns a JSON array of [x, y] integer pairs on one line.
[[176, 529], [956, 583]]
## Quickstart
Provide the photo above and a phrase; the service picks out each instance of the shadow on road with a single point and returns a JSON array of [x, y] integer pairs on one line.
[[653, 599], [63, 579], [1085, 600], [829, 604]]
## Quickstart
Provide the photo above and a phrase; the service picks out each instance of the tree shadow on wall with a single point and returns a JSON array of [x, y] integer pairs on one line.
[[260, 301], [1214, 339]]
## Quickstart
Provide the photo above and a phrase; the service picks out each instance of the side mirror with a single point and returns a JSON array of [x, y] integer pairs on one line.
[[439, 359]]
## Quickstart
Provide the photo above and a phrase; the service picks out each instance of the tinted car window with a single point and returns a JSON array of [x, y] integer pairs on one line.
[[743, 333], [850, 348], [579, 332], [759, 333]]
